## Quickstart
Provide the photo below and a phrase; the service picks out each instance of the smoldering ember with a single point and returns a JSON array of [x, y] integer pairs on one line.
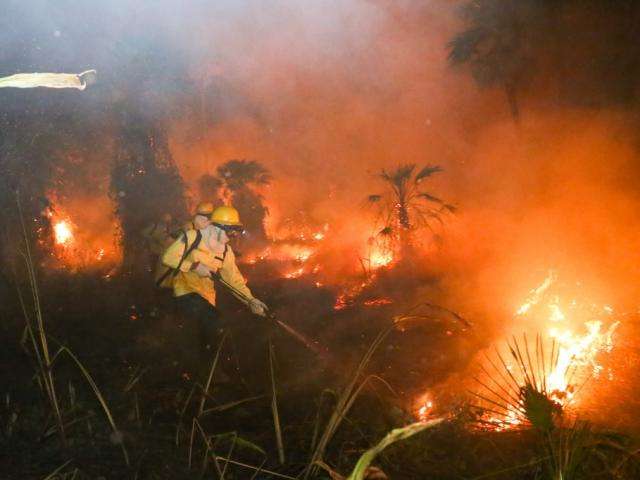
[[321, 239]]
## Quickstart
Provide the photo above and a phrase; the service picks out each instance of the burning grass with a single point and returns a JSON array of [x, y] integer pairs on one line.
[[291, 414]]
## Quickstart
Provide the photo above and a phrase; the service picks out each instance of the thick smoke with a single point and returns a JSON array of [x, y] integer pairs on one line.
[[325, 94]]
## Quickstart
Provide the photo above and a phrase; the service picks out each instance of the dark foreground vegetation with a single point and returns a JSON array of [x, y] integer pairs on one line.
[[99, 381]]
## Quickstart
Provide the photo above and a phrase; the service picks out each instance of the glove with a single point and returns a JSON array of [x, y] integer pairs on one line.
[[201, 270], [258, 307]]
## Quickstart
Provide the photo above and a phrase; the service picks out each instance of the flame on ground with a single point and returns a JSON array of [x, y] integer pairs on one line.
[[572, 335], [576, 334], [74, 247], [424, 406]]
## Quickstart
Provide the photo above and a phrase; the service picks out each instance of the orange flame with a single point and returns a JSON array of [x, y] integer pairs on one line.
[[578, 335], [426, 406], [63, 232]]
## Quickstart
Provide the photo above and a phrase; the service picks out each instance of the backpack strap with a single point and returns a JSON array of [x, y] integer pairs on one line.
[[224, 255], [187, 250]]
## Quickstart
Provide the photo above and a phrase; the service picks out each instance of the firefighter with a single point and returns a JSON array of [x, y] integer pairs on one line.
[[198, 255], [160, 235], [201, 219]]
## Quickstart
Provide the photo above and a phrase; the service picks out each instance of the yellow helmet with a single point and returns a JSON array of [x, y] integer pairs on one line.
[[226, 216], [204, 208]]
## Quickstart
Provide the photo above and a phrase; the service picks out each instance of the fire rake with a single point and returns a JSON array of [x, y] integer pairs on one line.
[[272, 316]]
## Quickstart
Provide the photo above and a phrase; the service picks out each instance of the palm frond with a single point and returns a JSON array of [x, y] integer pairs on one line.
[[427, 172], [428, 196], [450, 208], [403, 173], [209, 185], [386, 176], [244, 171]]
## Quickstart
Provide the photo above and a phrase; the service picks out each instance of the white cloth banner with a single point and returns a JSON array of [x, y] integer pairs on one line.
[[50, 80]]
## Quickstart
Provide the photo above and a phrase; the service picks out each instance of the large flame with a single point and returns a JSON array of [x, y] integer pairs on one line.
[[577, 347], [77, 243], [575, 334], [63, 232]]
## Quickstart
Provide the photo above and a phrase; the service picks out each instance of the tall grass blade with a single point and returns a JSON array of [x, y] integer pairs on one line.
[[42, 348], [274, 406], [207, 386], [54, 475], [395, 435], [345, 400], [117, 434]]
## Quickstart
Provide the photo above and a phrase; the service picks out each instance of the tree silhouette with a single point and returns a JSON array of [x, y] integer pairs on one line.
[[145, 184], [235, 184], [588, 51], [498, 42]]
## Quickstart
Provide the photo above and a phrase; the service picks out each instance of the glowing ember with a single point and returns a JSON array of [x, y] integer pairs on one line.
[[63, 232], [295, 274], [425, 408], [346, 298], [376, 302], [342, 301]]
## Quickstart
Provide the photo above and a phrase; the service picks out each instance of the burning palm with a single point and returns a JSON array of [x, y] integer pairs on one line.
[[533, 382]]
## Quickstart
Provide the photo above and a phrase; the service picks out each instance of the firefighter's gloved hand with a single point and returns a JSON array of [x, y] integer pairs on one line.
[[258, 307], [201, 270]]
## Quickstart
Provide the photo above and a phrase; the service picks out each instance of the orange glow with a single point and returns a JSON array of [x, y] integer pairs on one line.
[[379, 259], [576, 349], [574, 336], [295, 273], [424, 407], [83, 236], [376, 302]]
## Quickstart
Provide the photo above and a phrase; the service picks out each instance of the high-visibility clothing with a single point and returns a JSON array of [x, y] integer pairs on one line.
[[211, 252]]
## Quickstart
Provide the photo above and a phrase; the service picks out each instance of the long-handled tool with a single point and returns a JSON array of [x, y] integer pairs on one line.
[[271, 316]]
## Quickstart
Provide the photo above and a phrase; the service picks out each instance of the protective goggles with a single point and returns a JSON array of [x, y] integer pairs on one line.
[[230, 229]]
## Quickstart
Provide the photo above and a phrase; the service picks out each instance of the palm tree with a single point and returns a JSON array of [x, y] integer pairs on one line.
[[406, 206], [238, 175], [235, 183], [500, 41]]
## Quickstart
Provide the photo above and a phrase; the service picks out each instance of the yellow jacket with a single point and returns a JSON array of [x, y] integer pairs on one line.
[[219, 257]]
